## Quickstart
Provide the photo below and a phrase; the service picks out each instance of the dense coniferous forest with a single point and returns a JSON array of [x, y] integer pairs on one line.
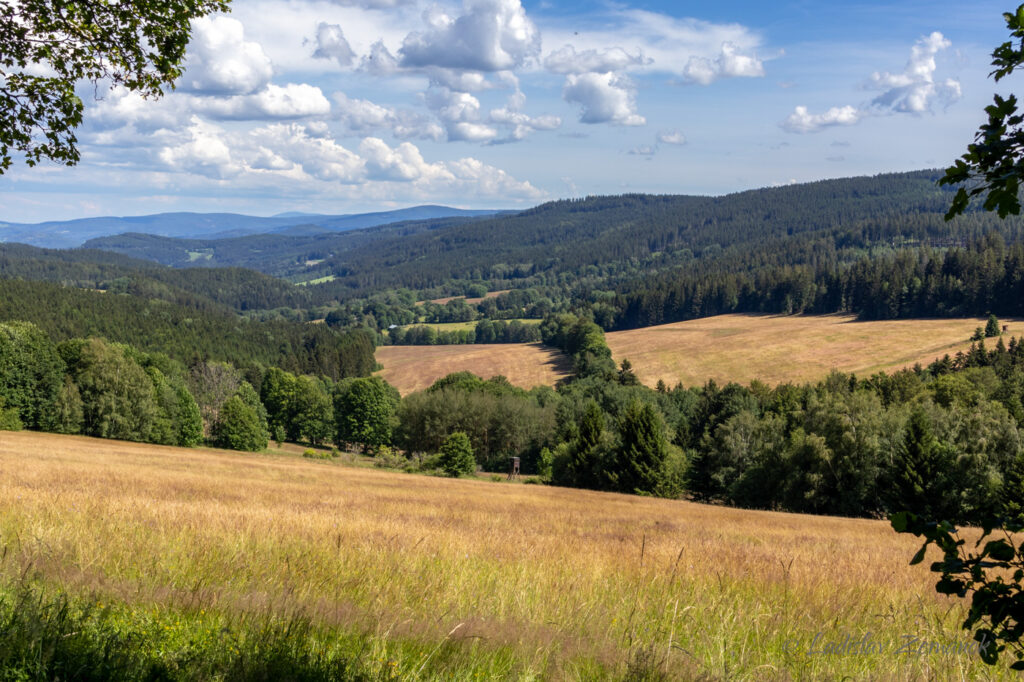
[[235, 288], [878, 247], [186, 333]]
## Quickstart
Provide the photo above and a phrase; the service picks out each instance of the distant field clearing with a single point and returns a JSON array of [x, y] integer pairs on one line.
[[781, 348], [469, 301], [772, 348], [413, 368]]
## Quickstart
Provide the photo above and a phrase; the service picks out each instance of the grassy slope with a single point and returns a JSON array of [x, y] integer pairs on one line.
[[777, 348], [413, 368], [498, 580], [772, 348]]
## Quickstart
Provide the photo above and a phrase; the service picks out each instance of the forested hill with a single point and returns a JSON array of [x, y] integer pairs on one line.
[[71, 233], [606, 241], [187, 333], [622, 237], [235, 288], [299, 255], [189, 315]]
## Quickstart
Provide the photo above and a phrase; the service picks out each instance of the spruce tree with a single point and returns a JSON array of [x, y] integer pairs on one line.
[[582, 469], [627, 377], [643, 448], [918, 470], [992, 327]]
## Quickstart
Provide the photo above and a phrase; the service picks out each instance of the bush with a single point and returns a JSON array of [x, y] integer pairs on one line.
[[9, 419], [457, 455], [996, 612], [387, 458]]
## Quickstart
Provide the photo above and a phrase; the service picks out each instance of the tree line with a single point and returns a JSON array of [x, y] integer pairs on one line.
[[484, 331], [982, 276], [942, 440], [95, 387]]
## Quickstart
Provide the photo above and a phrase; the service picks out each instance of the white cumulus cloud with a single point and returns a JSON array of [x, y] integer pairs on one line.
[[491, 35], [520, 125], [221, 61], [915, 89], [203, 152], [802, 121], [291, 101], [319, 157], [459, 113], [730, 63], [361, 116], [379, 61], [331, 44], [567, 60], [403, 163], [603, 98]]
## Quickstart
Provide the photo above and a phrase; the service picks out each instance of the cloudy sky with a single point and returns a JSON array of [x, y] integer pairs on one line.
[[338, 106]]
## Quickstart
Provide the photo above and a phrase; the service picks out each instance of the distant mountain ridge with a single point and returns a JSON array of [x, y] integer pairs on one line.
[[72, 233]]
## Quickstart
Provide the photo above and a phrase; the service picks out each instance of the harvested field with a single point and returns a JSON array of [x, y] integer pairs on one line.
[[413, 368], [780, 348]]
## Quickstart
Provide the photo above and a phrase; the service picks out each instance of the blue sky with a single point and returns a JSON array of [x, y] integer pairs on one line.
[[340, 106]]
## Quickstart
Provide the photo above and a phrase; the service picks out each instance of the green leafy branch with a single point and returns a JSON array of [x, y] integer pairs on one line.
[[991, 575]]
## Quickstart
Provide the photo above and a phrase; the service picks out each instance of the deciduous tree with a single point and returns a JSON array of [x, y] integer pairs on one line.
[[135, 44]]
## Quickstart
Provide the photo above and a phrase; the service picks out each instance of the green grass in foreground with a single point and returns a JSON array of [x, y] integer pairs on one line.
[[47, 634]]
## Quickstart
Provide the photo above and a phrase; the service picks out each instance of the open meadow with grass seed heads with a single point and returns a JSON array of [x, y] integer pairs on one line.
[[509, 580]]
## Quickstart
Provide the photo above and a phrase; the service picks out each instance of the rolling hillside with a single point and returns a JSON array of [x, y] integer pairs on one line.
[[416, 577], [71, 233], [777, 348], [771, 348]]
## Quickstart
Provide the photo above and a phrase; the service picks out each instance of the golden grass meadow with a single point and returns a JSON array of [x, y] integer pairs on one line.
[[771, 348], [465, 579]]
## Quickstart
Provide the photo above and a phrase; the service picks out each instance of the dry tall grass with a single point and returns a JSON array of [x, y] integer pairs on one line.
[[572, 583]]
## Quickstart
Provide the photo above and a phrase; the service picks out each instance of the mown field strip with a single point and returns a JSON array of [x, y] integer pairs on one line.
[[413, 368]]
